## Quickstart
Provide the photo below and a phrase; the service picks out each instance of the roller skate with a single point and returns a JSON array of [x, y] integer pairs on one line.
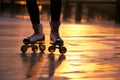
[[37, 40], [55, 39]]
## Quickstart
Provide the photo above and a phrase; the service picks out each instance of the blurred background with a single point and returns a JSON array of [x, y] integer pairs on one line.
[[78, 11]]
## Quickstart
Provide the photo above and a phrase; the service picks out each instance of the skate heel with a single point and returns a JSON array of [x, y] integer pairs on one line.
[[40, 41]]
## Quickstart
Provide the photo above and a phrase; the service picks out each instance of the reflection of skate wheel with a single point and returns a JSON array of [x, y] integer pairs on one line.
[[24, 48], [42, 47], [51, 56], [62, 57], [62, 50], [34, 48], [52, 49]]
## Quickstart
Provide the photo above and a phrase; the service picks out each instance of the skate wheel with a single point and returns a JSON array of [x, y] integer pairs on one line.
[[51, 49], [62, 50], [34, 48], [42, 48], [24, 48]]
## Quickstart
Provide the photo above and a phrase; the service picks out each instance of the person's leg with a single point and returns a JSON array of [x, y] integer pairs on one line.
[[55, 8], [34, 16], [33, 11]]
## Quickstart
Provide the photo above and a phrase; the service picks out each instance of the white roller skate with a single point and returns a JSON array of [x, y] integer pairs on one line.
[[37, 38], [55, 38]]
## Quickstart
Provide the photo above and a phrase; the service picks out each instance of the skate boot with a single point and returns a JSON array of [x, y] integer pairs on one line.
[[54, 34], [37, 38], [38, 34], [55, 38]]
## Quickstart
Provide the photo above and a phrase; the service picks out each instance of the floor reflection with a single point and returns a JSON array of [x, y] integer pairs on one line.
[[37, 65], [54, 61], [32, 64], [53, 64]]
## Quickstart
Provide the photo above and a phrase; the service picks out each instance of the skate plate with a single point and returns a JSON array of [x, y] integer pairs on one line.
[[34, 46], [55, 46]]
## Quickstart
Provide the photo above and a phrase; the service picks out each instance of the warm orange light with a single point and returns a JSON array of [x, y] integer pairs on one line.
[[20, 2]]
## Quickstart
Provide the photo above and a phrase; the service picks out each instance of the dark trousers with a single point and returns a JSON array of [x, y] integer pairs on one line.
[[55, 10]]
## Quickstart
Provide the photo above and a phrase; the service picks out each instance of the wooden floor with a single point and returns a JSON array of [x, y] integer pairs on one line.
[[93, 52]]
